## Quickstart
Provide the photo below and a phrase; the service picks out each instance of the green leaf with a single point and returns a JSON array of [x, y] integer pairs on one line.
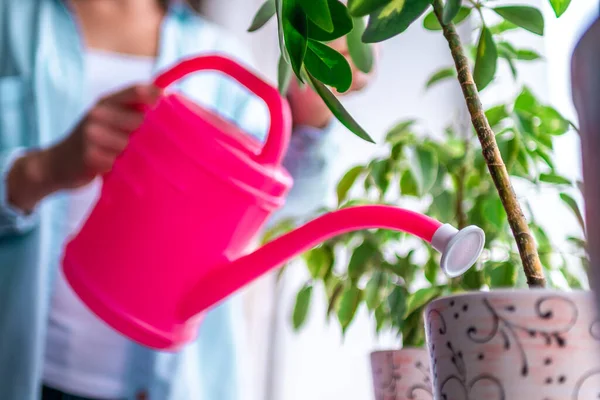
[[473, 279], [503, 26], [342, 23], [347, 181], [264, 14], [526, 101], [424, 168], [529, 18], [420, 298], [525, 124], [339, 111], [560, 6], [360, 53], [440, 75], [360, 259], [302, 305], [320, 261], [393, 19], [545, 157], [503, 275], [486, 59], [381, 173], [328, 66], [408, 184], [494, 211], [318, 12], [382, 315], [554, 178], [444, 206], [506, 50], [572, 280], [397, 152], [524, 164], [397, 305], [577, 242], [527, 55], [362, 8], [552, 122], [334, 291], [349, 303], [572, 204], [400, 132], [451, 9], [509, 149], [511, 65], [280, 33], [431, 270], [294, 31], [543, 138], [278, 229], [377, 289], [430, 22], [496, 114], [413, 332], [284, 75]]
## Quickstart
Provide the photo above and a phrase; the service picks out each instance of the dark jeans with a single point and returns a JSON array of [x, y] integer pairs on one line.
[[53, 394]]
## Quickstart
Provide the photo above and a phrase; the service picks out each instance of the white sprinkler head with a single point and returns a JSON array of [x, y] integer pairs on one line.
[[460, 249]]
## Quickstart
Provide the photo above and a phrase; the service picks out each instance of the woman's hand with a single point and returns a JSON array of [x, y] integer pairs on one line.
[[307, 106], [90, 150]]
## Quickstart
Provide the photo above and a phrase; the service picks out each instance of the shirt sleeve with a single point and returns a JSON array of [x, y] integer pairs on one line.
[[13, 220], [309, 160]]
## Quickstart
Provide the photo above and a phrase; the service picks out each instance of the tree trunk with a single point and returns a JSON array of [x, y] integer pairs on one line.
[[518, 224]]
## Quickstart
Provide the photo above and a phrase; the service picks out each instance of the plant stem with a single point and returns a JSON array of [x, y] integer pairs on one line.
[[460, 192], [518, 224]]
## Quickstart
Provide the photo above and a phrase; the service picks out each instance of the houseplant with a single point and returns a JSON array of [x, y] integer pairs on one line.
[[305, 26], [396, 277]]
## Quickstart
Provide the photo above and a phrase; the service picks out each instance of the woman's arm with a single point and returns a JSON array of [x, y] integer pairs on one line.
[[89, 150], [309, 160], [22, 179]]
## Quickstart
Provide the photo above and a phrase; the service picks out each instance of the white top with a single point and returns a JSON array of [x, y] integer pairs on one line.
[[84, 356]]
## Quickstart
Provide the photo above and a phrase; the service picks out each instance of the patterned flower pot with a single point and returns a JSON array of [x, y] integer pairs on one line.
[[401, 374], [522, 344]]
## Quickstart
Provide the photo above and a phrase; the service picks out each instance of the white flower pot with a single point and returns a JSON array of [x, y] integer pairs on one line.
[[401, 374], [522, 344]]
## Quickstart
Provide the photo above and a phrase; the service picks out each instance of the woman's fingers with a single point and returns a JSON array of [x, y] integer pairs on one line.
[[117, 116], [359, 80], [106, 138], [134, 95], [97, 160]]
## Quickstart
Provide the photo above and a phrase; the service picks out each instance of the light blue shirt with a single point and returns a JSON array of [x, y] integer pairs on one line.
[[41, 99]]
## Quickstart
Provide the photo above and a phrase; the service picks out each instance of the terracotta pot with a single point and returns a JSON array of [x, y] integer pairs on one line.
[[523, 344], [401, 374]]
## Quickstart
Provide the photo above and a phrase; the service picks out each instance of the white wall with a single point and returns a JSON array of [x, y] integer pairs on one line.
[[316, 364]]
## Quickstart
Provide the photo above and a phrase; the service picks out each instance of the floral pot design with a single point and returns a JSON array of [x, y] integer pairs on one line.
[[401, 374], [521, 344]]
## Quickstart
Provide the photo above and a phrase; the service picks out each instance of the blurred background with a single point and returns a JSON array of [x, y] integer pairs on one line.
[[316, 363]]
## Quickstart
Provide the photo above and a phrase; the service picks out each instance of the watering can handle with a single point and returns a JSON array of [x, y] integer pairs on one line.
[[278, 137]]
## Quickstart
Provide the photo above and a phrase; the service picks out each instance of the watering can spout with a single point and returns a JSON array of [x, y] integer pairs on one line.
[[460, 249]]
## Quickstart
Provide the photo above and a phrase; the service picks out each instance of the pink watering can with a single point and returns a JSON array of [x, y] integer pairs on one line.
[[167, 238]]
